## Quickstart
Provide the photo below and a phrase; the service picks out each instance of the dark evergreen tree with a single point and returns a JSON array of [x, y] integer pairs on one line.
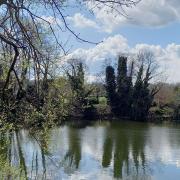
[[124, 86], [111, 88], [142, 97], [130, 91], [122, 75]]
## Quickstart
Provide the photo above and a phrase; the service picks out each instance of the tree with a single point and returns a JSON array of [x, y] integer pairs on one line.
[[111, 88], [80, 93], [124, 83], [142, 94], [138, 97]]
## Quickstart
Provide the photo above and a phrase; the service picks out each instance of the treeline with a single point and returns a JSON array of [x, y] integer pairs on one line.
[[46, 98], [167, 101], [129, 92]]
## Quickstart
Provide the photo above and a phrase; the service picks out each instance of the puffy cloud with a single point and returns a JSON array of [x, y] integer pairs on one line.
[[110, 46], [96, 56], [82, 22], [150, 13], [168, 57]]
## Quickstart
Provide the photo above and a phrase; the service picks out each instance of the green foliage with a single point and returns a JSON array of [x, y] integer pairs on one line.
[[103, 100], [79, 91], [8, 171], [103, 110]]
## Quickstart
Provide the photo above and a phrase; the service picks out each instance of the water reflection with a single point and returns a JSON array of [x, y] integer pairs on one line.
[[73, 155], [127, 146], [119, 150]]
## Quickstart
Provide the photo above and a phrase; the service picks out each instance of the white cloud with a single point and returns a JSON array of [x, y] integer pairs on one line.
[[110, 46], [96, 56], [82, 22], [168, 57], [150, 13]]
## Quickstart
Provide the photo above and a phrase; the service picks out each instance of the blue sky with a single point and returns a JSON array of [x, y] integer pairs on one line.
[[135, 35], [157, 36], [150, 21], [152, 25]]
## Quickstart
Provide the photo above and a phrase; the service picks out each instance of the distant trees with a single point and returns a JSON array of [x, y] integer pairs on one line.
[[167, 101], [128, 99], [80, 93]]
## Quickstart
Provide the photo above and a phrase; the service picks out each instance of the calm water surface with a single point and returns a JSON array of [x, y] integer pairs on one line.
[[103, 151]]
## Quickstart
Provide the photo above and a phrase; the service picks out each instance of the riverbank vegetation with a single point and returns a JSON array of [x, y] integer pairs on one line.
[[40, 84], [127, 92]]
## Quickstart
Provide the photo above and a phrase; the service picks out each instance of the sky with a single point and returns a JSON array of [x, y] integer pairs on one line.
[[151, 24]]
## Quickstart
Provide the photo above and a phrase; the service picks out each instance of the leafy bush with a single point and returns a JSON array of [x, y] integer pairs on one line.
[[103, 100]]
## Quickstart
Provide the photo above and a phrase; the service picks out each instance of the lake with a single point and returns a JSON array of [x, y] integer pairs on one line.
[[101, 150]]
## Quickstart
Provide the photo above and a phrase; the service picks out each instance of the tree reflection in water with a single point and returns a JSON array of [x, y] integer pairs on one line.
[[127, 147], [73, 155], [12, 162], [115, 150]]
